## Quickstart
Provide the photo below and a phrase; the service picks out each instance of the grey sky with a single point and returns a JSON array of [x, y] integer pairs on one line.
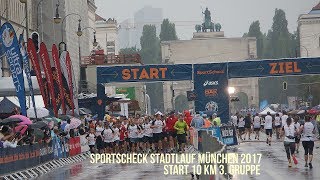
[[235, 16]]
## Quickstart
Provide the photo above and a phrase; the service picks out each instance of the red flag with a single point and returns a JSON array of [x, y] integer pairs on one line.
[[33, 56], [44, 56], [55, 57], [68, 64]]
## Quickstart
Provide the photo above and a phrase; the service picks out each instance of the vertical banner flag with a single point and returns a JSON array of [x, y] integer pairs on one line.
[[211, 83], [26, 68], [11, 48], [44, 56], [70, 81], [55, 57], [67, 96], [32, 54]]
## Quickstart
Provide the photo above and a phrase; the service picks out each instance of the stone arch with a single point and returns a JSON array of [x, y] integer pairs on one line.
[[181, 103], [243, 101]]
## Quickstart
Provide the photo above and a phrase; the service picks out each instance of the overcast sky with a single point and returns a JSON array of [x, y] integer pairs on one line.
[[235, 16]]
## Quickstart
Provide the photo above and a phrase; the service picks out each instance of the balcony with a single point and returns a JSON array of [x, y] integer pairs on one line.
[[110, 59]]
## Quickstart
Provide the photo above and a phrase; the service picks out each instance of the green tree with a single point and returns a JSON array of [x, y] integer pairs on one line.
[[150, 54], [254, 31], [168, 31], [131, 50]]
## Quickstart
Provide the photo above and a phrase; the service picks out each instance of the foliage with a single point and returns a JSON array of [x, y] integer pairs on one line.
[[131, 50], [168, 31]]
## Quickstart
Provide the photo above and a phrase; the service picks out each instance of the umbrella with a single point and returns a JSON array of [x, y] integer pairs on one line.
[[312, 111], [301, 112], [54, 119], [38, 133], [38, 125], [41, 112], [9, 121], [84, 111], [25, 120], [316, 107], [75, 123], [65, 117], [294, 112]]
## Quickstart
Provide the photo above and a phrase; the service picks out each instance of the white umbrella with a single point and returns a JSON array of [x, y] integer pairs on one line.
[[41, 112], [74, 123]]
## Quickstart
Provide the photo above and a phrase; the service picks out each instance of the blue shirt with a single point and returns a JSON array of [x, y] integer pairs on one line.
[[197, 122]]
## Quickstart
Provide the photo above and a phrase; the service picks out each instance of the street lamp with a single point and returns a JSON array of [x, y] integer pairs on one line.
[[57, 18], [79, 32], [26, 14], [231, 90], [95, 43]]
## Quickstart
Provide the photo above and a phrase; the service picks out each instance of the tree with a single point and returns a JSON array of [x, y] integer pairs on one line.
[[168, 31], [150, 54], [254, 31], [131, 50]]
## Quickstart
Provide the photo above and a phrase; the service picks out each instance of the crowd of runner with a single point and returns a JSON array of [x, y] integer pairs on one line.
[[291, 129]]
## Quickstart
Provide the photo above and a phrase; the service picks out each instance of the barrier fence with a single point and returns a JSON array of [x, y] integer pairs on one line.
[[27, 156]]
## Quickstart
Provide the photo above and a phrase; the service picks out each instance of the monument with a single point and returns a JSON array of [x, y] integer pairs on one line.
[[207, 23]]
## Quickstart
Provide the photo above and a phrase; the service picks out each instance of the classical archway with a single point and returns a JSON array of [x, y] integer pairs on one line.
[[243, 101], [181, 103]]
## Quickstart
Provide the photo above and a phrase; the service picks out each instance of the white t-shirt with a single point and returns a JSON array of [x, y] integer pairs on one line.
[[148, 130], [133, 131], [256, 122], [241, 122], [277, 121], [234, 120], [308, 134], [289, 131], [159, 126], [108, 135], [141, 133], [99, 130], [268, 122], [116, 134], [284, 120], [296, 125], [91, 140]]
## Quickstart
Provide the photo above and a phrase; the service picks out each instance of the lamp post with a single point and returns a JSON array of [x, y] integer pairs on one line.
[[83, 77], [300, 51], [25, 2]]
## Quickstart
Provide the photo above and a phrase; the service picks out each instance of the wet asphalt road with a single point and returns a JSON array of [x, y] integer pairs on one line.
[[274, 166]]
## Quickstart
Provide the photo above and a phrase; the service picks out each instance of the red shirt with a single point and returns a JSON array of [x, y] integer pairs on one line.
[[123, 132], [170, 122], [188, 118]]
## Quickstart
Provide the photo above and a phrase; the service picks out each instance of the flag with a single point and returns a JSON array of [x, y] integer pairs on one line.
[[44, 56], [11, 48], [26, 68]]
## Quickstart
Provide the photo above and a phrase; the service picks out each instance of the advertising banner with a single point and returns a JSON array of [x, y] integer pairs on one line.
[[44, 56], [11, 48], [56, 61], [128, 91], [145, 73], [211, 83], [228, 135], [33, 56], [72, 87], [26, 68], [65, 83]]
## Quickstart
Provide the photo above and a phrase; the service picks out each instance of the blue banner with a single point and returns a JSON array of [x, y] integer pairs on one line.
[[211, 83], [145, 73], [12, 51], [228, 135], [215, 132], [26, 68], [280, 67]]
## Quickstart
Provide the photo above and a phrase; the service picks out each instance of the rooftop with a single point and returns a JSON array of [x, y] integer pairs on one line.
[[99, 18], [315, 9]]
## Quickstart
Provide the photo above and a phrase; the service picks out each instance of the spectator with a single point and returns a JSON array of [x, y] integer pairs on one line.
[[197, 122]]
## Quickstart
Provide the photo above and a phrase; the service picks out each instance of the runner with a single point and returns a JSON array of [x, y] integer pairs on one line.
[[277, 124], [108, 135], [248, 123], [133, 135], [289, 144], [298, 135], [116, 138], [241, 125], [91, 140], [140, 144], [157, 126], [268, 127], [99, 139], [257, 126], [123, 136], [170, 131], [308, 134], [148, 134], [181, 127]]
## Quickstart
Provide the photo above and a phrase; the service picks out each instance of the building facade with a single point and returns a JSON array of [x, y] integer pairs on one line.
[[127, 32], [309, 30], [209, 47]]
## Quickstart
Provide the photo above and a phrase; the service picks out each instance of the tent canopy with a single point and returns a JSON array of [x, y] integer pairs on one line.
[[265, 111], [7, 106]]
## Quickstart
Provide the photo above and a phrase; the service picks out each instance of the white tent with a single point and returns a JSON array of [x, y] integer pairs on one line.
[[265, 111]]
